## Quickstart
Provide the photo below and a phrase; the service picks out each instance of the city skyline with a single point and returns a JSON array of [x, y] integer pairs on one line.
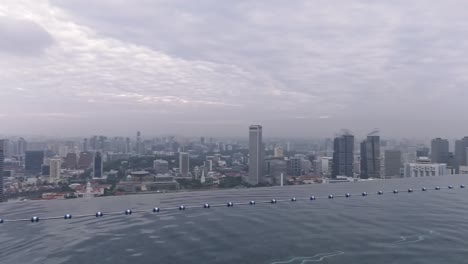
[[318, 65], [137, 165]]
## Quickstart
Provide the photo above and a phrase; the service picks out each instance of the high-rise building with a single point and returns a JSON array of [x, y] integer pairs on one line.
[[55, 168], [127, 145], [21, 147], [63, 151], [138, 147], [202, 140], [85, 145], [161, 166], [343, 156], [392, 164], [93, 142], [294, 166], [2, 199], [370, 157], [98, 167], [184, 164], [256, 154], [274, 168], [440, 150], [461, 153], [45, 170], [71, 161], [6, 148], [34, 160], [326, 165], [279, 152], [85, 160], [363, 167]]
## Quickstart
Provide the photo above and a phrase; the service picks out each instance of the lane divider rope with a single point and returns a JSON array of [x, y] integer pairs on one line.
[[155, 210]]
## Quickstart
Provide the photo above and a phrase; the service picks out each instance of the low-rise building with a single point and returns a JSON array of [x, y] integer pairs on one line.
[[424, 168]]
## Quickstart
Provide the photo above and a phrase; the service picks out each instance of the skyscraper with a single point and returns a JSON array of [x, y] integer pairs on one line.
[[93, 142], [6, 148], [343, 156], [127, 145], [98, 165], [440, 150], [184, 164], [460, 153], [71, 160], [393, 164], [363, 167], [256, 153], [2, 199], [85, 160], [370, 157], [34, 160], [55, 168], [138, 147], [85, 145], [21, 147]]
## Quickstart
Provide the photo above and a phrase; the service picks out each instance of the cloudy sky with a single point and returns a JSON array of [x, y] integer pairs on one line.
[[211, 67]]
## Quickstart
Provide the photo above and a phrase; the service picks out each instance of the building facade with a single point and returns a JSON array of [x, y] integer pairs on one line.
[[161, 166], [279, 152], [85, 160], [274, 168], [98, 165], [294, 166], [22, 146], [55, 166], [184, 164], [2, 157], [392, 164], [439, 151], [343, 156], [34, 160], [370, 157], [326, 166], [71, 161], [256, 154], [461, 147], [424, 168]]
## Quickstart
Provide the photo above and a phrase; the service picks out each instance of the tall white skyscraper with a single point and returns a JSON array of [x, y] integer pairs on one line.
[[184, 164], [55, 168], [256, 154]]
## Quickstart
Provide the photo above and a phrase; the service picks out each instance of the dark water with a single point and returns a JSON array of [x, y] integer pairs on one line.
[[418, 227]]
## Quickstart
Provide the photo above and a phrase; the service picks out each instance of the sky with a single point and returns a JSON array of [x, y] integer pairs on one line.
[[211, 67]]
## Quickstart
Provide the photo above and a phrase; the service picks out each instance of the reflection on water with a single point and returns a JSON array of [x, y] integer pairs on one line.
[[316, 258], [413, 238]]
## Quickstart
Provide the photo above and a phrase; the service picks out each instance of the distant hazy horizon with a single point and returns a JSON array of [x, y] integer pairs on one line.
[[298, 68]]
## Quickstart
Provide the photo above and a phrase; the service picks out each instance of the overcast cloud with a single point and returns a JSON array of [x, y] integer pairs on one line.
[[210, 67]]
